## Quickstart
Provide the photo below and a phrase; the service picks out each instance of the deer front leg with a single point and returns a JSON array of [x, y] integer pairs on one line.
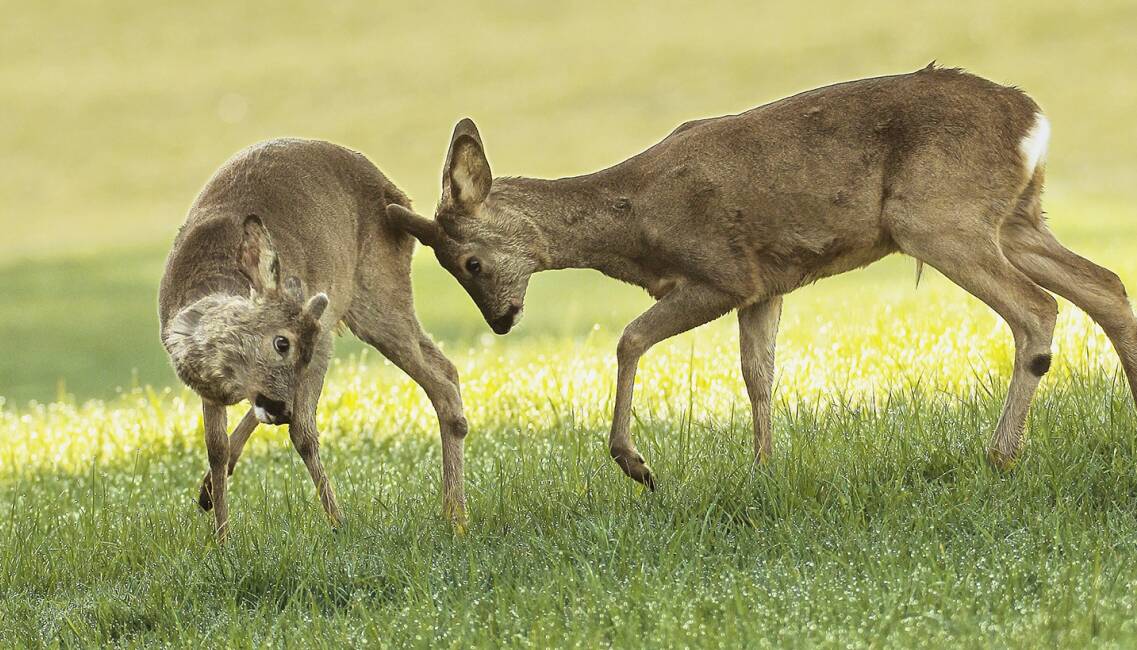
[[306, 439], [757, 331], [303, 432], [237, 441], [217, 447], [684, 308]]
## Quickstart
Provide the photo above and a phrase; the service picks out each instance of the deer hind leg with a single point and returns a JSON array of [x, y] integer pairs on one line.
[[397, 335], [237, 441], [757, 331], [1031, 247], [977, 264]]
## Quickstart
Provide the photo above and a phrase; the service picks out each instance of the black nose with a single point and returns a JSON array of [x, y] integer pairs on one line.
[[502, 324], [276, 409]]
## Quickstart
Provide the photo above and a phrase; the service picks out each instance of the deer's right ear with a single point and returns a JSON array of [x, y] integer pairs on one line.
[[423, 229], [181, 339], [466, 178], [257, 258]]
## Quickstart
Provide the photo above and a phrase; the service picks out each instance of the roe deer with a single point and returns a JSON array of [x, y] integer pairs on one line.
[[731, 213], [286, 240]]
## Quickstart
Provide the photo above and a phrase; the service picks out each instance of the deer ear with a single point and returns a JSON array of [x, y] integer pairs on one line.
[[423, 229], [466, 178], [316, 305], [257, 258]]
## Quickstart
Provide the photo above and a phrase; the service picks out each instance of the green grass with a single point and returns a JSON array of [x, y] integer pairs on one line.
[[877, 523], [114, 117]]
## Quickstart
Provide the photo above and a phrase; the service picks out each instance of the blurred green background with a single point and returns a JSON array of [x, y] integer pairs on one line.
[[112, 116]]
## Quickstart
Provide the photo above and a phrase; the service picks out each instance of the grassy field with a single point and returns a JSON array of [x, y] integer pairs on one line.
[[877, 524]]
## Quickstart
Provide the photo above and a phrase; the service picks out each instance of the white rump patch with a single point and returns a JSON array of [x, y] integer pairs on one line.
[[1034, 143]]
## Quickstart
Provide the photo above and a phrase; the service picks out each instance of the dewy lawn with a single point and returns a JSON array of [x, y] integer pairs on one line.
[[877, 521]]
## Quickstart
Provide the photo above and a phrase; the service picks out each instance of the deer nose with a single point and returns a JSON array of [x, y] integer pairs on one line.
[[275, 411], [504, 323]]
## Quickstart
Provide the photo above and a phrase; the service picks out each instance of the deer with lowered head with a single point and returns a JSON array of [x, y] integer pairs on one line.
[[731, 213], [288, 239]]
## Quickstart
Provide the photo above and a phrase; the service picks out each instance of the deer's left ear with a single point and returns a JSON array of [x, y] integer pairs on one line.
[[466, 177], [257, 258], [423, 229]]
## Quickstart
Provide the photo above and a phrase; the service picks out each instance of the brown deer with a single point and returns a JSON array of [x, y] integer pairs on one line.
[[731, 213], [286, 240]]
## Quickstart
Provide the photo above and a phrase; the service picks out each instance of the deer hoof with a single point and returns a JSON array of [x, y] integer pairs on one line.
[[634, 466], [1000, 460]]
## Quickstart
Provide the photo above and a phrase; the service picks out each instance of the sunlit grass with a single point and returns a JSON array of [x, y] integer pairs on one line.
[[877, 522], [849, 354]]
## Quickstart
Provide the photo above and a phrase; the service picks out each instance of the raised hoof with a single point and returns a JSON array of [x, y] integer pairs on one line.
[[635, 467], [1001, 461], [204, 499]]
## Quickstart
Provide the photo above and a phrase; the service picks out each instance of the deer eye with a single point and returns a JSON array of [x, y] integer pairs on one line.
[[281, 345], [473, 266]]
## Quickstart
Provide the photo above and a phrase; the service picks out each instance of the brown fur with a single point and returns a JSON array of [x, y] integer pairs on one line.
[[287, 240], [731, 213]]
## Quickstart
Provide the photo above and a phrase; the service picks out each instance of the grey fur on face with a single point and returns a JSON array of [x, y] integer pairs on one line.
[[223, 346], [210, 347]]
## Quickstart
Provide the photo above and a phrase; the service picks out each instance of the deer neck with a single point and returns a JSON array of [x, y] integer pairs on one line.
[[583, 222]]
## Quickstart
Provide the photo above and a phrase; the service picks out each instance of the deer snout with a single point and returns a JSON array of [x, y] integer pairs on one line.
[[502, 324], [271, 411]]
